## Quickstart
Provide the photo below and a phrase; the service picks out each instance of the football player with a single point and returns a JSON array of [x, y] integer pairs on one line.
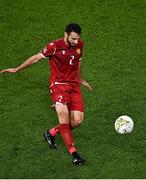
[[64, 57]]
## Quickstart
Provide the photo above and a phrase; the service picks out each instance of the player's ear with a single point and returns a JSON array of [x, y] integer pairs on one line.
[[65, 34]]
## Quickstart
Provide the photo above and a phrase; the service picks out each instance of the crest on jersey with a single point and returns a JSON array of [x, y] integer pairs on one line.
[[78, 51]]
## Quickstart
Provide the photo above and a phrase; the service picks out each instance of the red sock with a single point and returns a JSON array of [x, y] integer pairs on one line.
[[67, 136], [54, 131]]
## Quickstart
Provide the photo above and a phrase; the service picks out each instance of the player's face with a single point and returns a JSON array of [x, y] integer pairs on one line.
[[73, 38]]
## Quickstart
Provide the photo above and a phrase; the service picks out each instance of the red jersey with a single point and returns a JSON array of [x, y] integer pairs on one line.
[[63, 60]]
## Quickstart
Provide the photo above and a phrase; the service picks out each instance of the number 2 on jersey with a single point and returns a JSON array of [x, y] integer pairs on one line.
[[71, 59]]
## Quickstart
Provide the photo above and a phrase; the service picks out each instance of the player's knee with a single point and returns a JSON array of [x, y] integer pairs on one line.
[[63, 117], [77, 120]]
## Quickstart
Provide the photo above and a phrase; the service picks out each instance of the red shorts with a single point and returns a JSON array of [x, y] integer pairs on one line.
[[69, 94]]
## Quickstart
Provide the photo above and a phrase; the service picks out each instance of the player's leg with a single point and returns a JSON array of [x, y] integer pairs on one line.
[[63, 117], [65, 130], [76, 114], [66, 133], [50, 135], [58, 96], [76, 119]]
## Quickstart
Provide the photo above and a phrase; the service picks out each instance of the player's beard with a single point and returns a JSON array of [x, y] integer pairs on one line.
[[71, 45]]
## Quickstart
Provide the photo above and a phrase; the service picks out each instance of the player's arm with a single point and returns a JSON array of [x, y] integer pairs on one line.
[[83, 82], [25, 64]]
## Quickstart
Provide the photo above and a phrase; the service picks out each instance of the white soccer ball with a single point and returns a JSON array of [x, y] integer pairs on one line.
[[124, 124]]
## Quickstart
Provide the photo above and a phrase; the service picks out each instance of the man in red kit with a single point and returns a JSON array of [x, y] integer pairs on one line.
[[65, 56]]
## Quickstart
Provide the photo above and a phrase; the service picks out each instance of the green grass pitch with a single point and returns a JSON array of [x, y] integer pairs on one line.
[[113, 63]]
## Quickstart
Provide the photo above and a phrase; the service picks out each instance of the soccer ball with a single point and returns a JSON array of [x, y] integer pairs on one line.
[[124, 124]]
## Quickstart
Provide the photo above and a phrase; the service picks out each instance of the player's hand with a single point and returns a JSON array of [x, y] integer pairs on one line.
[[86, 85], [9, 70]]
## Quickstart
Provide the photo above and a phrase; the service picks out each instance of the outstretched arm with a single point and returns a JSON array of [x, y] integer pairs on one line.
[[85, 84], [27, 63]]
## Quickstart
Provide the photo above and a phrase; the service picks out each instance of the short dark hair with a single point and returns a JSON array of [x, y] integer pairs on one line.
[[73, 27]]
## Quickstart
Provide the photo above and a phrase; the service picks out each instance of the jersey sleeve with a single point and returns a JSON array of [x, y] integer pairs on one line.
[[49, 50]]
